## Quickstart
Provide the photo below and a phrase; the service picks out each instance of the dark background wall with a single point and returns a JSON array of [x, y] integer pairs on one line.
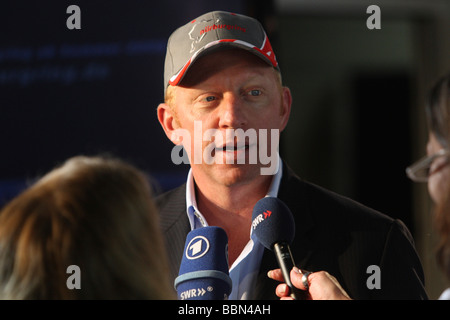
[[94, 90]]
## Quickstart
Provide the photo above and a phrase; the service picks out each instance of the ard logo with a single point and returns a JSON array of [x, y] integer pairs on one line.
[[197, 247]]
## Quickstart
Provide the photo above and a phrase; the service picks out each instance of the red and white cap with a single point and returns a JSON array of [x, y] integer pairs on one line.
[[209, 32]]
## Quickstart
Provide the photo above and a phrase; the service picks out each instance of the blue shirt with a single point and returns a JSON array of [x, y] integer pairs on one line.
[[245, 269]]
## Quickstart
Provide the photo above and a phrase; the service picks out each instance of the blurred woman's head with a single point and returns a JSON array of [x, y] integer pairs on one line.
[[438, 117], [93, 212]]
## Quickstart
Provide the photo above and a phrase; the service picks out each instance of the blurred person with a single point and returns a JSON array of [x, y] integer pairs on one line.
[[435, 171], [96, 213], [221, 77]]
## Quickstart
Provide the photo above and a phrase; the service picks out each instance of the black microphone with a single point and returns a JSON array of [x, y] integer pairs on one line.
[[273, 225], [203, 271]]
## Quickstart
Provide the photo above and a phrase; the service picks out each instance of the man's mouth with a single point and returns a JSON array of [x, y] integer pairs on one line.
[[233, 148]]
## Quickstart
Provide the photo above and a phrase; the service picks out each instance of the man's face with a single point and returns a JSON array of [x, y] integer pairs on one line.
[[224, 93]]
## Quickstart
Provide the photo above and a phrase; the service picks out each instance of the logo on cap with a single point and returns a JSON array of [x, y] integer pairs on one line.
[[197, 247]]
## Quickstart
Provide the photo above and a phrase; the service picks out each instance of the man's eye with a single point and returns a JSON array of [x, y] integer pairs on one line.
[[210, 98], [254, 92]]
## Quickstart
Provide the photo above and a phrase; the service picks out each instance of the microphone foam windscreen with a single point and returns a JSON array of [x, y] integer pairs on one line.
[[203, 271], [272, 222]]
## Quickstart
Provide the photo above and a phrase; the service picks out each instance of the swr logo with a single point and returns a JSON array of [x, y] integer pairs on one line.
[[197, 247], [261, 217]]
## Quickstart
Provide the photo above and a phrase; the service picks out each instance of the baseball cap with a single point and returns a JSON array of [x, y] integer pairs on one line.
[[209, 32]]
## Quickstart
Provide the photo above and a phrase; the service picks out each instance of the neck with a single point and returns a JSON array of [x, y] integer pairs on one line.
[[231, 208], [216, 200]]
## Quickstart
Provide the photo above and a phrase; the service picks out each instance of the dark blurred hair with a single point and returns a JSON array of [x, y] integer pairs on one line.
[[438, 117], [94, 212]]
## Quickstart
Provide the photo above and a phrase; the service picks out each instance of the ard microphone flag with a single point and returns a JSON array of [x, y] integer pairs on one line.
[[203, 271]]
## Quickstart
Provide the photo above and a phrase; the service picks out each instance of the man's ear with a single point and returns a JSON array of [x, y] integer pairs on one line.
[[167, 120]]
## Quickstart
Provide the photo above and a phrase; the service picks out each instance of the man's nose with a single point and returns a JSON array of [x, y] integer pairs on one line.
[[232, 113]]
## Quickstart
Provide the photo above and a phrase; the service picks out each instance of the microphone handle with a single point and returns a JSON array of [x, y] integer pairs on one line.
[[286, 263]]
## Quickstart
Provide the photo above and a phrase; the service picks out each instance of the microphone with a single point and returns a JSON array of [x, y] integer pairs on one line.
[[203, 271], [273, 225]]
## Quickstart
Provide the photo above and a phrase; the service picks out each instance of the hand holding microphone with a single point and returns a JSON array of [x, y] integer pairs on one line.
[[321, 285], [203, 271], [273, 225]]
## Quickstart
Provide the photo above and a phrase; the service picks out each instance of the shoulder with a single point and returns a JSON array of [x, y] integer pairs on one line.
[[171, 206], [317, 198], [172, 196], [330, 210], [323, 200]]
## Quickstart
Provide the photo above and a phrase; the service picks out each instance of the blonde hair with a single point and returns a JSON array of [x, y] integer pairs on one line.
[[93, 212]]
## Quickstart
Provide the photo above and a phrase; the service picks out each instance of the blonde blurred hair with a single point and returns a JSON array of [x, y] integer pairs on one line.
[[437, 111], [94, 212]]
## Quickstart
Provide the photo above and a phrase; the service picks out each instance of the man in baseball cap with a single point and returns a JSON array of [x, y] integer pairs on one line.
[[224, 99]]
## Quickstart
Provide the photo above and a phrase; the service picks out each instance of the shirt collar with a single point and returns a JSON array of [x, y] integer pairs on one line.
[[197, 220]]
